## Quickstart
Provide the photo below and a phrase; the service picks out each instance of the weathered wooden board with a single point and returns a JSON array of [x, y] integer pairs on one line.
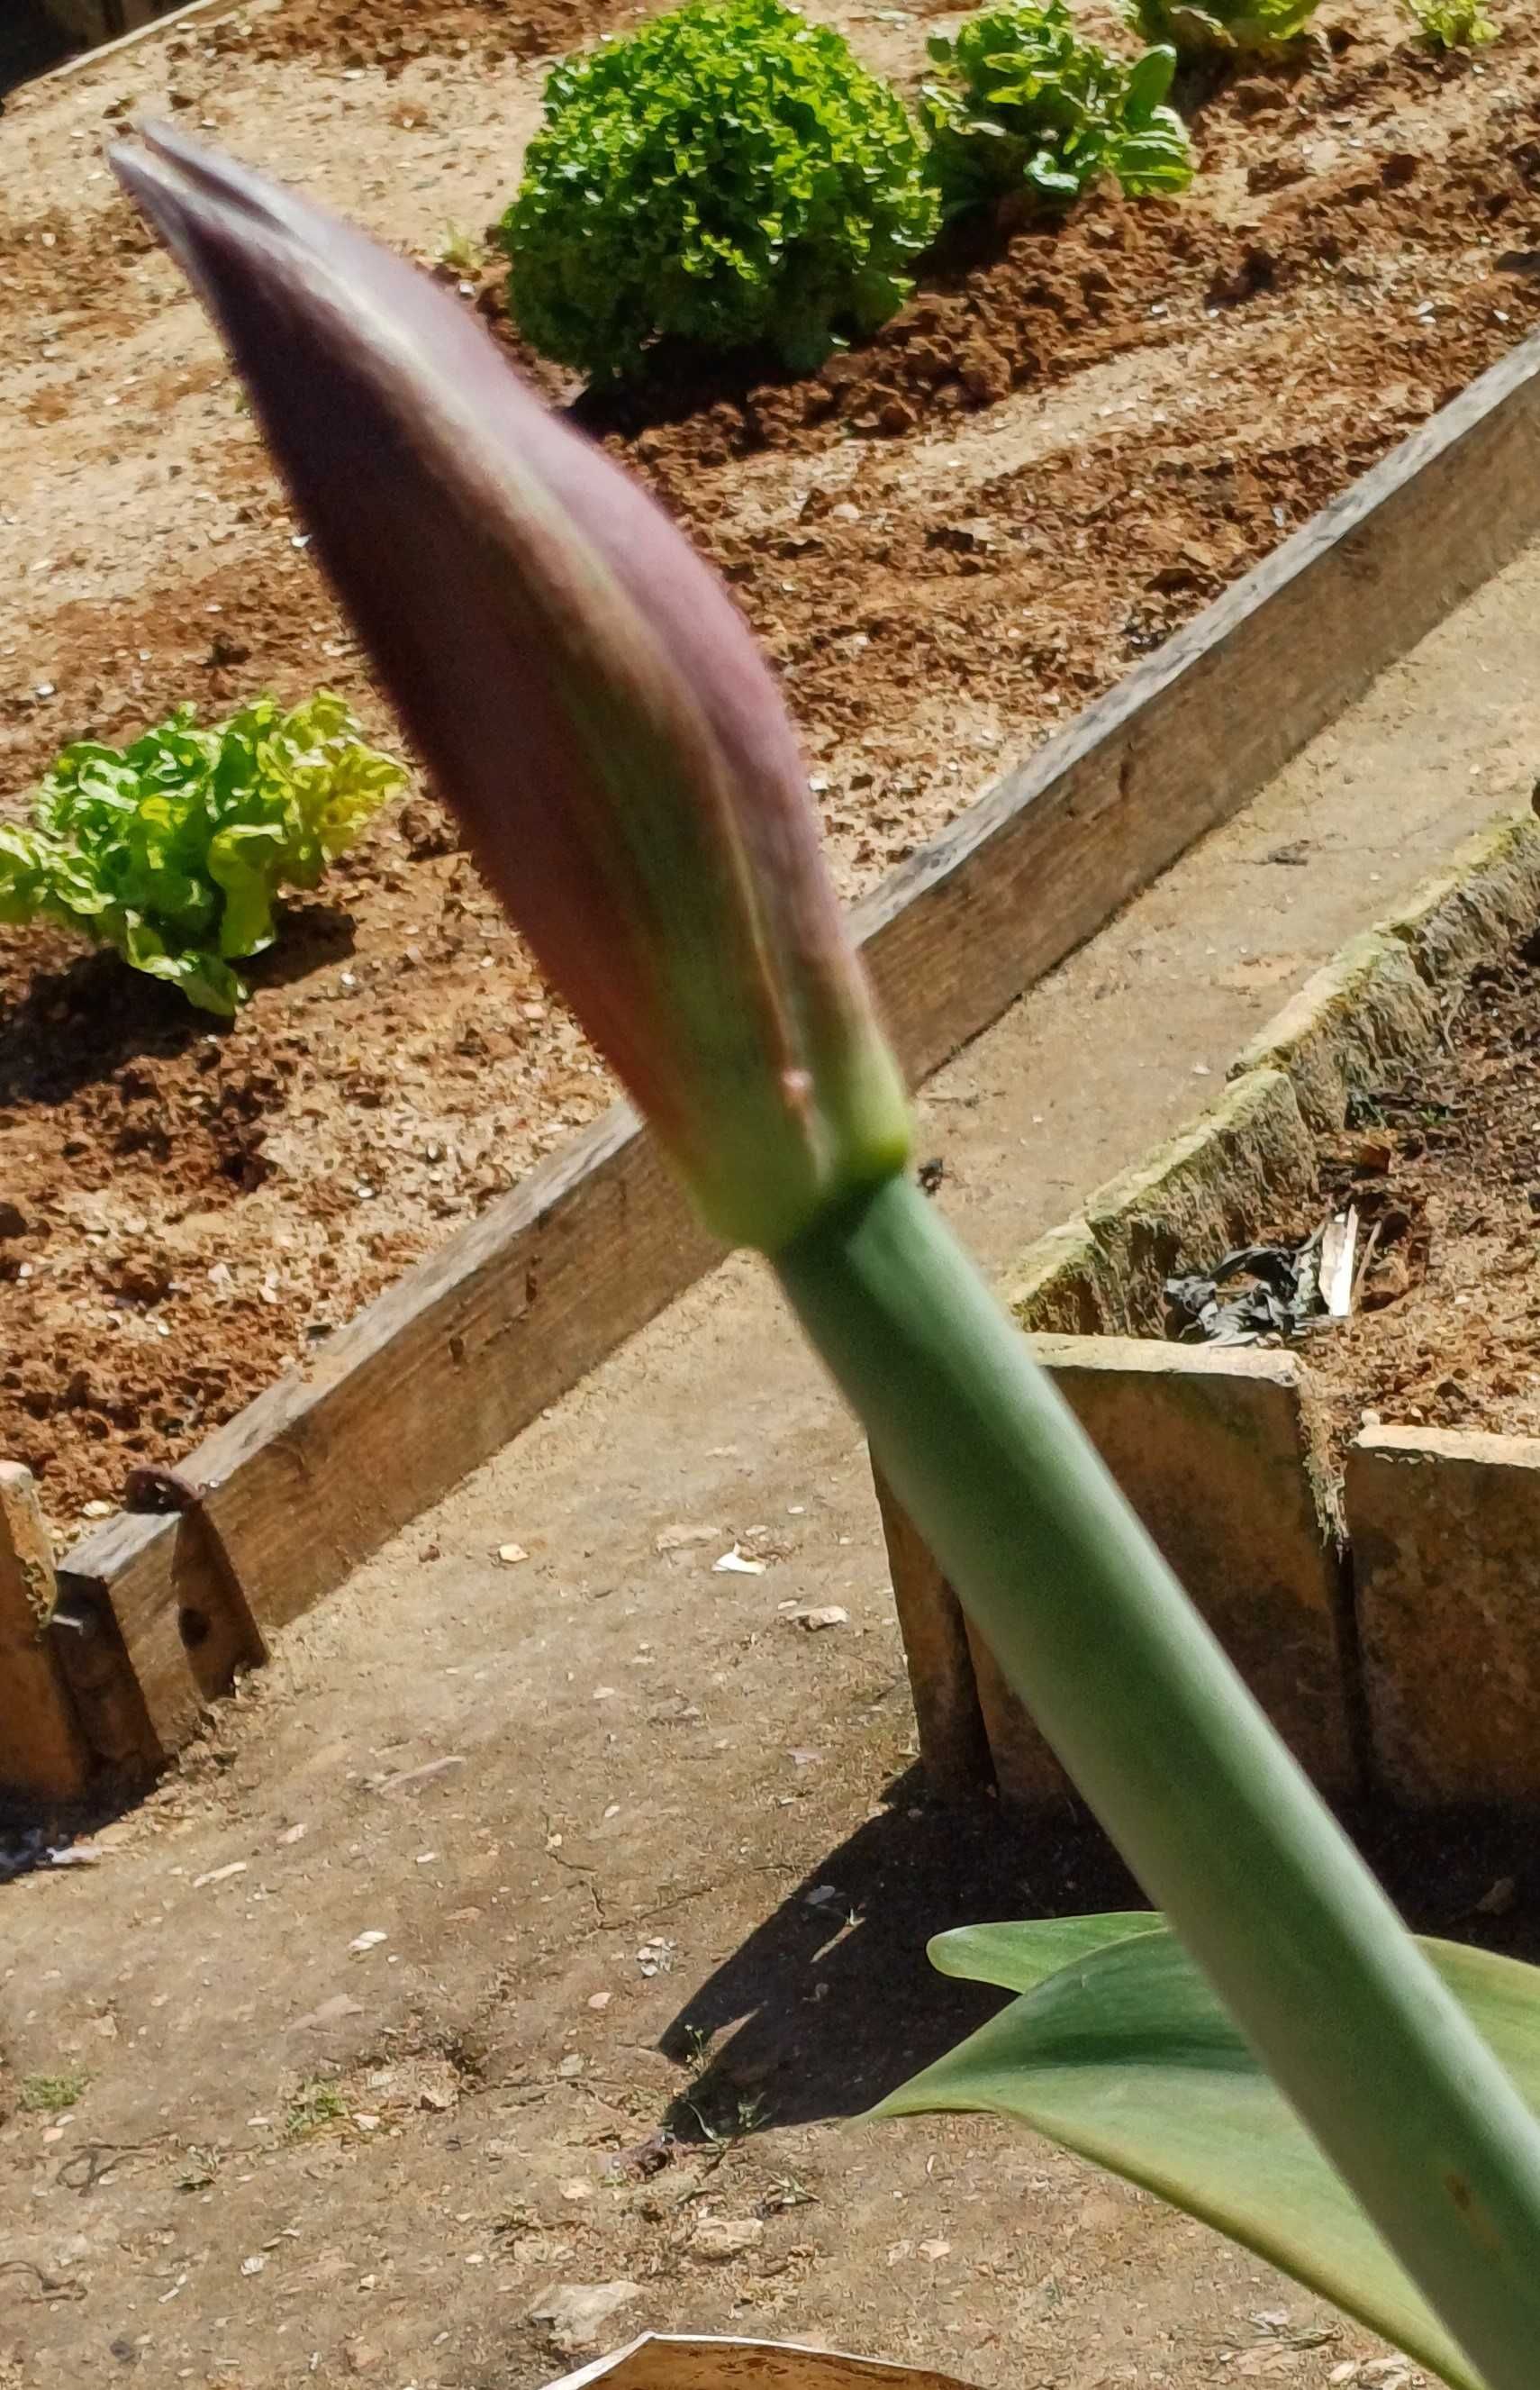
[[43, 1752], [187, 18], [1041, 861], [954, 1742], [446, 1366], [473, 1343]]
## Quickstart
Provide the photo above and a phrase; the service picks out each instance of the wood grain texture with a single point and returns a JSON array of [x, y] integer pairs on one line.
[[1028, 1778], [185, 21], [476, 1341], [1041, 862], [43, 1753], [168, 1610], [442, 1371], [953, 1747]]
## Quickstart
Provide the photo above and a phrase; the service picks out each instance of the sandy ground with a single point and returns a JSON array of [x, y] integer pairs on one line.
[[375, 2009]]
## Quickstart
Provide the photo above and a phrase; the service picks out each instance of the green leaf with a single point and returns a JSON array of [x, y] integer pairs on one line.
[[204, 979], [174, 849], [1027, 105], [1118, 2050], [1452, 24], [1200, 28], [1018, 1957], [1156, 159], [728, 175], [244, 862], [1051, 180], [1149, 82]]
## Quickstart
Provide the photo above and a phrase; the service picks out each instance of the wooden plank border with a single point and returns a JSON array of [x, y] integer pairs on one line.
[[43, 1752], [185, 19], [476, 1341]]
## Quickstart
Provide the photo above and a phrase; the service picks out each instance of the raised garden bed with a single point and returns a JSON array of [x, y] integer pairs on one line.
[[951, 539], [1371, 1569], [278, 1507], [195, 1210]]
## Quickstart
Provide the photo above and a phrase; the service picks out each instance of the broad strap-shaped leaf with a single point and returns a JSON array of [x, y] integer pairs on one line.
[[1118, 2050], [1018, 1957]]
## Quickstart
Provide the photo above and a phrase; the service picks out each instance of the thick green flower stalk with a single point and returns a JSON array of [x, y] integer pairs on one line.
[[590, 704]]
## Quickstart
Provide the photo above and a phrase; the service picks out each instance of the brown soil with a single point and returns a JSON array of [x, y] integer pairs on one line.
[[949, 541], [1443, 1169], [342, 36]]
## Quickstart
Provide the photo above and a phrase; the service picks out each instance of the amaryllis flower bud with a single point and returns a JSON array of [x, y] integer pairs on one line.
[[585, 692]]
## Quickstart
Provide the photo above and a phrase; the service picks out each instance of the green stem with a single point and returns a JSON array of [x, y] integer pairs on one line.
[[1221, 1827]]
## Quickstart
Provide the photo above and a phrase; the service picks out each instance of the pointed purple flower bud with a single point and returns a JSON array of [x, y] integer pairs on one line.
[[586, 694]]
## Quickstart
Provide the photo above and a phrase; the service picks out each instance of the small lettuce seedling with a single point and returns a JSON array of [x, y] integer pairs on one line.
[[1025, 105], [1198, 27], [174, 849], [1452, 24]]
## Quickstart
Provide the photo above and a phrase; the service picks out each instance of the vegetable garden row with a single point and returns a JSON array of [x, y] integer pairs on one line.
[[730, 178]]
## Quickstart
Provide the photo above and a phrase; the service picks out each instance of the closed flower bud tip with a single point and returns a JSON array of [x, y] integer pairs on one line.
[[584, 690]]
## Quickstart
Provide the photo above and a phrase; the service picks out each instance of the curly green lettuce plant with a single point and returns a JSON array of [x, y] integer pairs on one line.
[[1025, 105], [594, 706], [173, 850], [729, 175], [1200, 28], [1452, 24]]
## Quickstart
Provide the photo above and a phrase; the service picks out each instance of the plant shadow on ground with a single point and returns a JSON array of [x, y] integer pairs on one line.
[[679, 382], [830, 2002], [312, 935], [832, 1997], [73, 1027]]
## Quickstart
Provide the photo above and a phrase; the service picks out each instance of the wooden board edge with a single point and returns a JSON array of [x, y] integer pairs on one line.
[[44, 1756], [1342, 526], [197, 12], [1056, 809], [953, 1746]]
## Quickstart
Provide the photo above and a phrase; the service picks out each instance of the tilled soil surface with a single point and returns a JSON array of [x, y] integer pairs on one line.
[[949, 541], [1443, 1169]]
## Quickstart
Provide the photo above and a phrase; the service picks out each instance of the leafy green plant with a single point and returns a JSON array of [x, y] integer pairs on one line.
[[49, 2095], [460, 252], [525, 599], [1452, 24], [313, 2107], [1025, 105], [729, 175], [1196, 28], [173, 850]]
